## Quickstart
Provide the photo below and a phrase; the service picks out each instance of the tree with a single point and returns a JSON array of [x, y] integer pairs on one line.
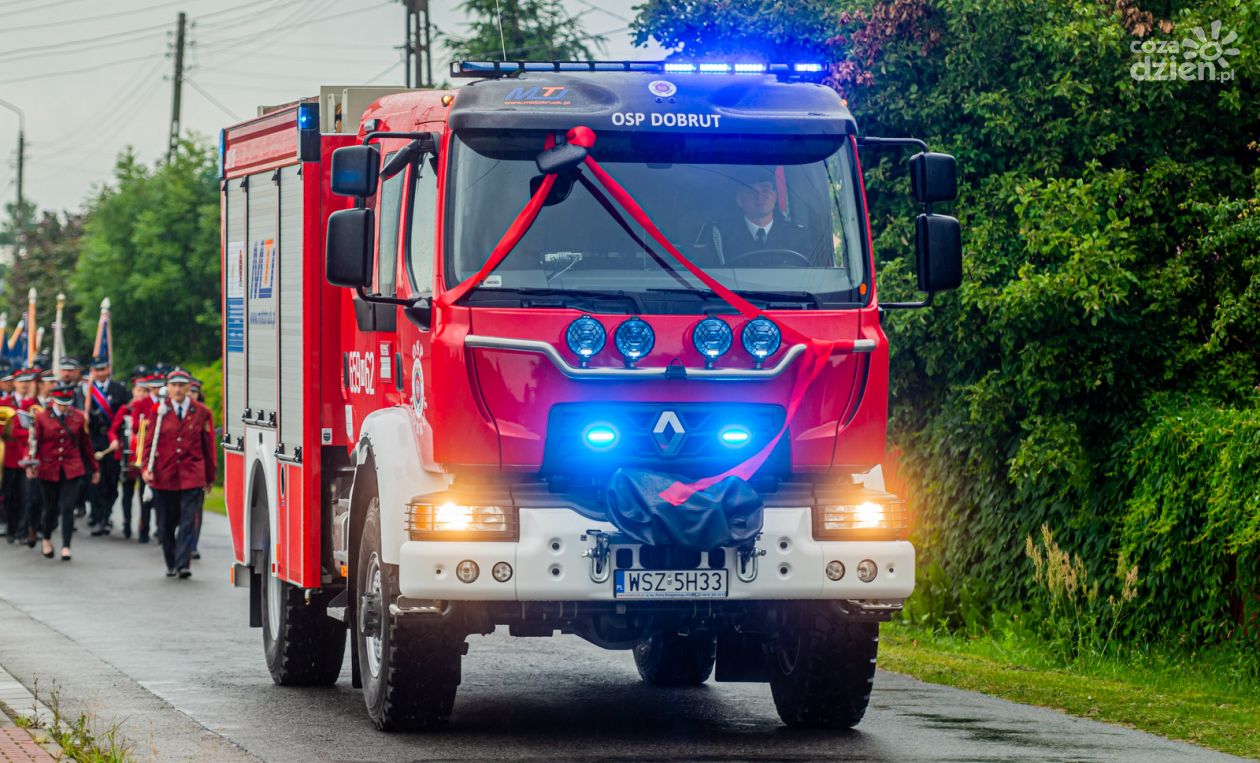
[[45, 260], [1110, 261], [540, 30], [151, 244]]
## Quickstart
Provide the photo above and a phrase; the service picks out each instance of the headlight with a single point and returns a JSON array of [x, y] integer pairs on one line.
[[585, 338], [448, 520], [634, 339], [761, 339], [712, 337], [885, 519]]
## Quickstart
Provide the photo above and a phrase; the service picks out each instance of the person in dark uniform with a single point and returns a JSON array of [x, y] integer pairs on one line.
[[70, 372], [122, 441], [63, 455], [105, 397], [760, 226], [179, 462]]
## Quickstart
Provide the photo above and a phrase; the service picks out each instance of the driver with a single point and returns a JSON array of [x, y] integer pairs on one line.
[[759, 225]]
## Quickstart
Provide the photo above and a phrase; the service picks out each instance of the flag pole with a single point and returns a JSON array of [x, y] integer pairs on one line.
[[58, 335], [31, 349], [39, 339], [109, 333]]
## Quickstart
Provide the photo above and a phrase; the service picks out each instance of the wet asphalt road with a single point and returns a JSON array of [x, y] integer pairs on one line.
[[174, 664]]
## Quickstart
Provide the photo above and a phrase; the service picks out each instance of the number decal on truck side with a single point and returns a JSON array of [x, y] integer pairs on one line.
[[362, 373]]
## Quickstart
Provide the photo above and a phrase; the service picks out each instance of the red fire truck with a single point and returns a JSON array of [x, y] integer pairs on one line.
[[588, 348]]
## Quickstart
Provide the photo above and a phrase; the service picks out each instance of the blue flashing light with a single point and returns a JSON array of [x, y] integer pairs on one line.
[[735, 437], [308, 116], [712, 337], [222, 154], [585, 337], [750, 68], [761, 339], [715, 67], [677, 68], [600, 436], [634, 339], [807, 68]]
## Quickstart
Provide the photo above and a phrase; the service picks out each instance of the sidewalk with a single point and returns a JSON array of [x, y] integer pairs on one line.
[[16, 743]]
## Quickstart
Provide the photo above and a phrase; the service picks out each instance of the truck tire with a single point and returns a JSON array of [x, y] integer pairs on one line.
[[669, 659], [410, 670], [303, 645], [823, 667]]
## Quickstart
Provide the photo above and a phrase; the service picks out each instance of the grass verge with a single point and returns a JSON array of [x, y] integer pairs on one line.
[[1199, 698], [81, 739], [214, 500]]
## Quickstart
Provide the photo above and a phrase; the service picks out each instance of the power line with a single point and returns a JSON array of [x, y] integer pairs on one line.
[[92, 68], [86, 19], [60, 47], [214, 101], [220, 45], [36, 6], [387, 70]]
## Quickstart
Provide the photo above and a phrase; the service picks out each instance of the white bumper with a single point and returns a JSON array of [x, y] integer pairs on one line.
[[547, 564]]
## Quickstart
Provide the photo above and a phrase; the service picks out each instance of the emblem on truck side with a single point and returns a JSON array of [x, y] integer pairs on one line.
[[668, 433]]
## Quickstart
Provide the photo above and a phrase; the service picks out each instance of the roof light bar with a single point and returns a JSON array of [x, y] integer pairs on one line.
[[805, 70]]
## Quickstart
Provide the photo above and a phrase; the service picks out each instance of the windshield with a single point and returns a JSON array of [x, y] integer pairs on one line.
[[775, 219]]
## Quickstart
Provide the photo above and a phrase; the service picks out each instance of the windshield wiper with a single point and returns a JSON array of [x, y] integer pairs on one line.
[[761, 296], [563, 297]]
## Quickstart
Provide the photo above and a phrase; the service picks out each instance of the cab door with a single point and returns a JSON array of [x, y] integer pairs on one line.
[[415, 279], [369, 368]]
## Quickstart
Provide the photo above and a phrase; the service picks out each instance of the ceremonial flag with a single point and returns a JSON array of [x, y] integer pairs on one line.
[[59, 335], [31, 348], [103, 347]]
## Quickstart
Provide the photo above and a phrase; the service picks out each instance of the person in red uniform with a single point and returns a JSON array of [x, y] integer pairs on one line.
[[179, 461], [122, 445], [63, 455], [16, 435]]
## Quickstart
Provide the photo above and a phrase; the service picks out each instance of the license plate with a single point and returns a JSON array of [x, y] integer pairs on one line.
[[669, 584]]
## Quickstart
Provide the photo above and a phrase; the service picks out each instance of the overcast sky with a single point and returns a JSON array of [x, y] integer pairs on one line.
[[94, 75]]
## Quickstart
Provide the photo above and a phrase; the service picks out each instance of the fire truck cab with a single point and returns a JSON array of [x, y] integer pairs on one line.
[[421, 446]]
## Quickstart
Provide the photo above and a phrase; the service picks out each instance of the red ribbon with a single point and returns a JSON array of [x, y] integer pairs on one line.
[[817, 351]]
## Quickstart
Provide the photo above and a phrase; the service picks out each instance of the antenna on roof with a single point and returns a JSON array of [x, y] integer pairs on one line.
[[498, 12]]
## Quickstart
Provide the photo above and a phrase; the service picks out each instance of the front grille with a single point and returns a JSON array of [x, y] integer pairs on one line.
[[649, 437]]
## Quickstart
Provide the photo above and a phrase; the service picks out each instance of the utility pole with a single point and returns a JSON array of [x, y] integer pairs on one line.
[[417, 48], [178, 82], [19, 217]]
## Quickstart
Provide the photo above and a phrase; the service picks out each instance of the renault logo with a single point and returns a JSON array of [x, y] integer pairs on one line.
[[668, 433]]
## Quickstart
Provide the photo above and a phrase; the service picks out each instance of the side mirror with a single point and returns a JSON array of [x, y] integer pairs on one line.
[[938, 252], [557, 158], [934, 177], [348, 252], [354, 170]]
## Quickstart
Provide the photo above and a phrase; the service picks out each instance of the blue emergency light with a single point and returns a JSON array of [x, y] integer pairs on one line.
[[734, 436], [801, 71], [600, 436], [308, 116], [308, 131]]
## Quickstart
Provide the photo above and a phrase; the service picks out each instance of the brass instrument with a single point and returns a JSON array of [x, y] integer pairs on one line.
[[32, 442], [144, 425], [7, 414], [157, 434]]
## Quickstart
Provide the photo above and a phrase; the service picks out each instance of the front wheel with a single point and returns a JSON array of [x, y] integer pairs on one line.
[[303, 645], [823, 667], [670, 659], [410, 670]]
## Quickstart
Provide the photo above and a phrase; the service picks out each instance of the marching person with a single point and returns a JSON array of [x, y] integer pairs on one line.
[[194, 391], [122, 442], [16, 435], [63, 455], [155, 383], [44, 383], [105, 397], [179, 463]]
